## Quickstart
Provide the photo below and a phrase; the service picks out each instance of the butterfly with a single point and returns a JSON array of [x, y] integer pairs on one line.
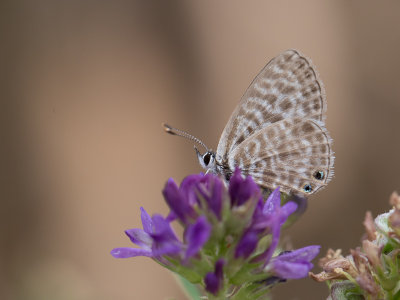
[[277, 132]]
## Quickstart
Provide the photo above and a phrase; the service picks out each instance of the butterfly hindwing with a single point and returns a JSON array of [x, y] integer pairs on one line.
[[294, 154], [287, 87]]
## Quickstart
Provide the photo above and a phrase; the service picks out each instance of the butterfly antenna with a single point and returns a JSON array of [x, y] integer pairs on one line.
[[178, 132]]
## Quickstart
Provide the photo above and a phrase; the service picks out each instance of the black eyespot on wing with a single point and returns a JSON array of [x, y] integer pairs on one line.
[[206, 158], [307, 188], [319, 175]]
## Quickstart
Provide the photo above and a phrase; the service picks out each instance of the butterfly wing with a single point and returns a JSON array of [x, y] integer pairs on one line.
[[287, 87], [294, 154]]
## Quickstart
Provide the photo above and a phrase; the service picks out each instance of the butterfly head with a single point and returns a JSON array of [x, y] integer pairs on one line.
[[206, 160]]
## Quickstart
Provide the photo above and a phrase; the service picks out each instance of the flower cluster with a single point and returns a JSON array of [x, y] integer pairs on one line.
[[373, 270], [229, 241]]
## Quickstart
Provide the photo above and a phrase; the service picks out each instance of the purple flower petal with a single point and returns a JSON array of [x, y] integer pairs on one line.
[[196, 236], [246, 245], [234, 185], [265, 216], [162, 230], [139, 237], [130, 252], [160, 241], [215, 202], [214, 280], [147, 222], [176, 201], [171, 216], [189, 188], [288, 209], [164, 238], [212, 283], [307, 254], [166, 248], [295, 264], [211, 188], [273, 203], [241, 190], [219, 268], [290, 270], [273, 215]]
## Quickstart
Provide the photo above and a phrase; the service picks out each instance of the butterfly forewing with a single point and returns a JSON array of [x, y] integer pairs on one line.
[[287, 87], [277, 133]]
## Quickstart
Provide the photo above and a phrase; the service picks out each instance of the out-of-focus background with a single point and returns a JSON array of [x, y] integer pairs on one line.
[[87, 84]]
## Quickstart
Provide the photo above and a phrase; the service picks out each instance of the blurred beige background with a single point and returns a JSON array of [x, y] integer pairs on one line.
[[86, 85]]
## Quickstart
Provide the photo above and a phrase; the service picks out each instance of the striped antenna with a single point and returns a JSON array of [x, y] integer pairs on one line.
[[178, 132]]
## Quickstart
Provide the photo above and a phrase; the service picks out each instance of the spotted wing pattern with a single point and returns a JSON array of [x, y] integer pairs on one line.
[[294, 154], [277, 133]]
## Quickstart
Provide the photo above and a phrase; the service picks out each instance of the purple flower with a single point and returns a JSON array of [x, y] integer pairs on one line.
[[275, 216], [273, 207], [211, 189], [246, 245], [156, 239], [179, 200], [294, 264], [196, 236], [267, 219], [225, 226], [183, 200], [214, 280]]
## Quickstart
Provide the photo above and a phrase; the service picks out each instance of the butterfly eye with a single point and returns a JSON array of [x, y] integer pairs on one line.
[[319, 175], [307, 188], [206, 158]]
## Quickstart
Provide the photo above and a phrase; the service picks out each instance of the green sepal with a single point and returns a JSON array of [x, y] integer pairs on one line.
[[191, 274], [189, 289], [396, 296], [252, 291], [244, 274], [391, 277], [345, 290]]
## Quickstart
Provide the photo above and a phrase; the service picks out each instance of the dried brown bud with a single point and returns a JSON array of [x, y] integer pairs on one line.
[[395, 200], [368, 284], [334, 266], [360, 260], [340, 263], [370, 226], [373, 253], [394, 222], [365, 277], [324, 276], [330, 255]]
